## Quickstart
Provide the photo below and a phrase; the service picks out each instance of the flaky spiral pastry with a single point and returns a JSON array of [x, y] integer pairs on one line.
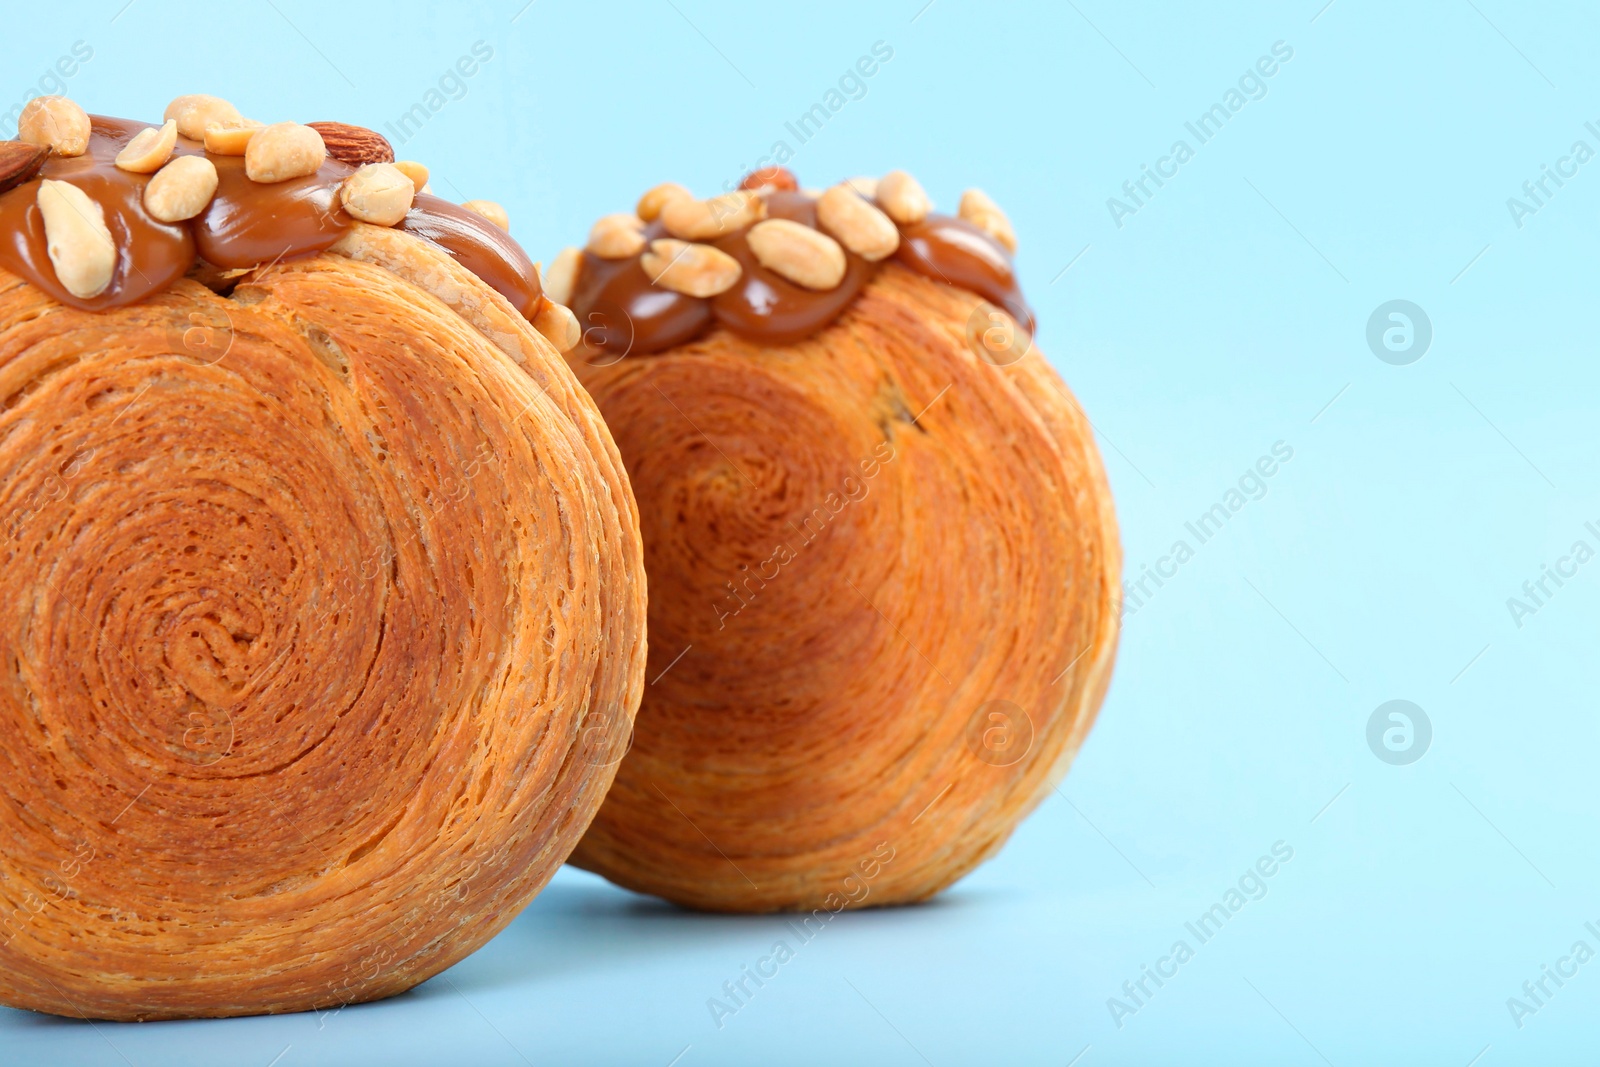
[[883, 566], [321, 629]]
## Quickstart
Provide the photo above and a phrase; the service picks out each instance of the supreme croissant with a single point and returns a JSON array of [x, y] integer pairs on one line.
[[322, 609], [881, 549]]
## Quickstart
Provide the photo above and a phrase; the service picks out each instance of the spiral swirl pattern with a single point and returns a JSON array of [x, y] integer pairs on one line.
[[883, 566], [321, 627]]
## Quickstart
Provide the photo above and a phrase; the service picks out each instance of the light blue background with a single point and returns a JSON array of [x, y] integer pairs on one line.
[[1228, 314]]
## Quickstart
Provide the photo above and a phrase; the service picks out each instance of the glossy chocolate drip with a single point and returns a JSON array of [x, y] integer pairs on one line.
[[250, 223], [956, 252], [478, 245], [246, 225], [623, 313]]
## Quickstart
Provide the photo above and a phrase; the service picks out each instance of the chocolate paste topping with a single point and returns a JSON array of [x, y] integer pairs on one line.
[[623, 313], [247, 224]]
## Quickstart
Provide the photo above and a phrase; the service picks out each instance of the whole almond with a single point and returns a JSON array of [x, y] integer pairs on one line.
[[197, 110], [562, 278], [379, 193], [181, 189], [690, 269], [282, 151], [858, 225], [76, 239], [617, 236], [902, 198], [977, 208], [797, 252], [779, 179], [651, 203], [19, 162], [696, 220], [149, 149], [355, 145], [55, 122]]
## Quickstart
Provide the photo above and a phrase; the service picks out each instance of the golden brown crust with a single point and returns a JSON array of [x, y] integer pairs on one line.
[[318, 641], [855, 544]]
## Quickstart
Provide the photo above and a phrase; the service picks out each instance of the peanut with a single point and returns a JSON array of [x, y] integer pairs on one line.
[[903, 198], [491, 211], [558, 325], [858, 225], [283, 151], [378, 193], [867, 187], [651, 203], [690, 269], [696, 220], [799, 253], [76, 238], [772, 179], [978, 209], [230, 139], [195, 111], [562, 278], [416, 172], [181, 189], [56, 123], [149, 149], [617, 236]]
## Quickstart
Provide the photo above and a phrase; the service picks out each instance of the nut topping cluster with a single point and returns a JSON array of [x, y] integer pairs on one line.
[[861, 216], [181, 184]]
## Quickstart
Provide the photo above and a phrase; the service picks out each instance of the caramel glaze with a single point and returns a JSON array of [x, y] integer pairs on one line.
[[622, 312], [478, 245], [246, 225], [956, 252]]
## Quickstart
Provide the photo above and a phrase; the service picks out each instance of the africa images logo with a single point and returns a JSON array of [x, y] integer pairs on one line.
[[1399, 332], [1399, 732]]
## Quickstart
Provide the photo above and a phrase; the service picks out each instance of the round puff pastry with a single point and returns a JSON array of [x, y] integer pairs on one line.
[[321, 632], [884, 568]]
